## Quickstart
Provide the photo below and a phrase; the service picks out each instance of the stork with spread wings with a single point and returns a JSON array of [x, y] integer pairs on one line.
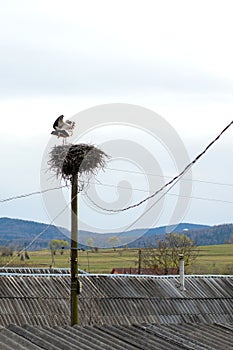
[[63, 128]]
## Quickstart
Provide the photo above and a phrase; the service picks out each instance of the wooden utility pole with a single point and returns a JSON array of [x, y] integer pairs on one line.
[[67, 161], [74, 251], [139, 260], [88, 263]]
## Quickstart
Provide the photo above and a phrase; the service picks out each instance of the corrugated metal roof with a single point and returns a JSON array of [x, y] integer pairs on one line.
[[144, 337], [37, 271], [113, 299]]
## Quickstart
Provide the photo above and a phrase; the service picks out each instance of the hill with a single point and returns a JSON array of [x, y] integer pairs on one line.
[[21, 232], [153, 234], [219, 234]]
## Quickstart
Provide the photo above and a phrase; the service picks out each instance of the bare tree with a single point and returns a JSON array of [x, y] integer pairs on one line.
[[168, 251]]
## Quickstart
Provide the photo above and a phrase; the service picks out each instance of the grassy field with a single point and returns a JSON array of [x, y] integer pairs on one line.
[[217, 259], [211, 260]]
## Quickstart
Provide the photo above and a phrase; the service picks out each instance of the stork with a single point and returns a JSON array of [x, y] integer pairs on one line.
[[63, 128]]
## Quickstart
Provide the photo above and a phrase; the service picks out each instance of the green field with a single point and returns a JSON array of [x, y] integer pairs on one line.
[[216, 259]]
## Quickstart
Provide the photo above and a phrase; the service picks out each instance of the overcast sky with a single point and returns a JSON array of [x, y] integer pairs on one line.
[[172, 57]]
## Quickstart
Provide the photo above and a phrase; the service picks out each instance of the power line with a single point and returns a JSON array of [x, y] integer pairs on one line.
[[30, 194], [25, 195], [41, 233], [171, 182], [151, 206], [170, 177], [109, 185], [201, 198], [134, 189], [142, 190], [112, 185]]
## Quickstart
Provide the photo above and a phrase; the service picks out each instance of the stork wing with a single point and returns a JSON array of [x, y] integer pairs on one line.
[[60, 133], [69, 125], [58, 122]]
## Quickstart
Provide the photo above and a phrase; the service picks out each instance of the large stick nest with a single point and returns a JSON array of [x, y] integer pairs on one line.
[[69, 160]]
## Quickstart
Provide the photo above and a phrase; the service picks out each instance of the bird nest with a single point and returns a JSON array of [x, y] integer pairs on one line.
[[81, 159]]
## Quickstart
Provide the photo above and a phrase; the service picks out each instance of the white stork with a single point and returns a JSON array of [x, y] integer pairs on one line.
[[63, 128]]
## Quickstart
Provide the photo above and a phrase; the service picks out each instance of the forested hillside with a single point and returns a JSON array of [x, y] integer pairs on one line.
[[20, 233]]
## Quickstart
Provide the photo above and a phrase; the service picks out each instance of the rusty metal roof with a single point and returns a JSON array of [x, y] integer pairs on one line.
[[43, 300], [144, 337]]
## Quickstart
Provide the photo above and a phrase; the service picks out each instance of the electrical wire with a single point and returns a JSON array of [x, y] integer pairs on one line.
[[170, 194], [41, 233], [30, 194], [114, 186], [153, 204], [145, 212], [201, 198], [169, 177], [174, 179]]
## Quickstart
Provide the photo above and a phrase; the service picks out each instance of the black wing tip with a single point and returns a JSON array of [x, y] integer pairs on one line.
[[55, 124]]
